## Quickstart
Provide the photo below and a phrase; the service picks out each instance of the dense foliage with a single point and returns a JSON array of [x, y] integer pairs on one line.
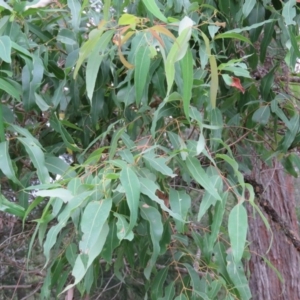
[[149, 112]]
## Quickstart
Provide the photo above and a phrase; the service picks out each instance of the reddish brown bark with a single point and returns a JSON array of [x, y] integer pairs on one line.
[[275, 195]]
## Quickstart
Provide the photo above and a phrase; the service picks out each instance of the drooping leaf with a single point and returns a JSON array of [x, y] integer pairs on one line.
[[152, 215], [214, 84], [123, 231], [93, 219], [198, 173], [61, 193], [289, 12], [11, 207], [37, 157], [153, 8], [186, 65], [237, 275], [5, 48], [149, 188], [159, 164], [142, 65], [237, 229], [131, 185], [6, 163], [247, 7], [75, 9], [94, 61], [262, 115], [180, 203], [9, 89]]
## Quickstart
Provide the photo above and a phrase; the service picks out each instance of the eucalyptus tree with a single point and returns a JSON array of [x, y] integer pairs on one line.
[[182, 121]]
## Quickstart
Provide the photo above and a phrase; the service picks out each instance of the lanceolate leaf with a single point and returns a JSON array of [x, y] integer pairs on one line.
[[148, 187], [152, 215], [37, 157], [237, 229], [186, 65], [5, 48], [86, 49], [142, 65], [6, 163], [214, 84], [94, 216], [247, 7], [180, 203], [84, 261], [198, 173], [9, 89], [237, 275], [75, 8], [176, 53], [94, 61], [131, 185], [153, 8]]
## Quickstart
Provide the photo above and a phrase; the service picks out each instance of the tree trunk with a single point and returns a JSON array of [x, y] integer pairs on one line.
[[275, 195]]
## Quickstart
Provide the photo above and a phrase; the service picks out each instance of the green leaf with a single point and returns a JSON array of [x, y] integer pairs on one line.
[[64, 194], [177, 52], [62, 222], [66, 36], [186, 65], [253, 26], [131, 185], [5, 48], [142, 66], [111, 243], [232, 35], [153, 8], [268, 35], [180, 203], [198, 173], [237, 275], [94, 61], [75, 9], [159, 164], [37, 157], [214, 83], [123, 232], [289, 12], [237, 229], [83, 261], [158, 283], [93, 219], [9, 89], [169, 292], [87, 47], [148, 188], [58, 166], [195, 282], [11, 208], [247, 7], [5, 5], [262, 115], [6, 163], [152, 215], [67, 138]]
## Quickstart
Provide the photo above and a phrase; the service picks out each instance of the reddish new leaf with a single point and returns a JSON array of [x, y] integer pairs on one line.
[[237, 84]]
